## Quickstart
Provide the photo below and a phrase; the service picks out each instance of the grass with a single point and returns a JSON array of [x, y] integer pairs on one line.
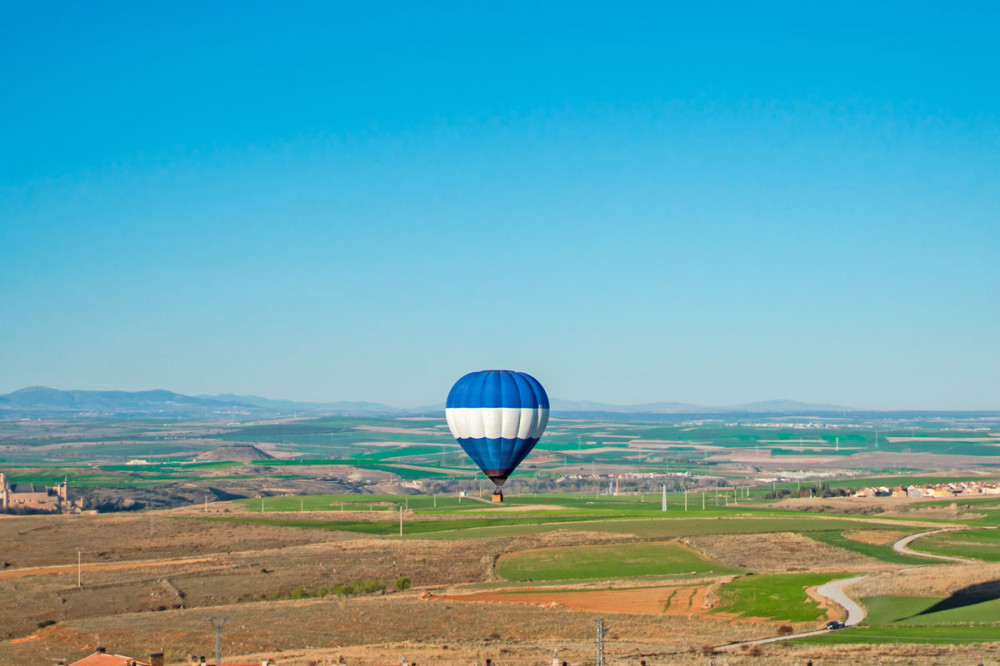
[[399, 469], [611, 561], [661, 528], [907, 620], [643, 506], [977, 544], [884, 553], [930, 635], [477, 520], [387, 527], [355, 502], [780, 597]]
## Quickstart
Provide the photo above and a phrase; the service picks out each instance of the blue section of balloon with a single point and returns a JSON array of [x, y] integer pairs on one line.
[[497, 416], [498, 388]]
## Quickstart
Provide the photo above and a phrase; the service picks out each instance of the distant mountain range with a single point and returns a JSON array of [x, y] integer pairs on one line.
[[292, 406], [39, 401]]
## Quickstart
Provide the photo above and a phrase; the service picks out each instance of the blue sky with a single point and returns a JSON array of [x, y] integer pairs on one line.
[[702, 202]]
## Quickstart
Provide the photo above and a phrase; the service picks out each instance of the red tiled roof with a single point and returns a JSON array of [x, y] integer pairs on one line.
[[102, 659]]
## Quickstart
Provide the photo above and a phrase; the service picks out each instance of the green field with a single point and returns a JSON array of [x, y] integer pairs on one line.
[[610, 561], [922, 620], [647, 506], [424, 449], [489, 526], [358, 502], [676, 527], [977, 544], [781, 597], [884, 553]]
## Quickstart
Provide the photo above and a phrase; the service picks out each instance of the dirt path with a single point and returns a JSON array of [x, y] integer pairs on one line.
[[101, 566], [901, 548]]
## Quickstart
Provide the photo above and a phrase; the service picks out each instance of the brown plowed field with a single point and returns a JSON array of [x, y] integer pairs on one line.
[[673, 600]]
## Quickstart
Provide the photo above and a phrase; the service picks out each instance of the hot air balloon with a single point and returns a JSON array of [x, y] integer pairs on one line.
[[497, 416]]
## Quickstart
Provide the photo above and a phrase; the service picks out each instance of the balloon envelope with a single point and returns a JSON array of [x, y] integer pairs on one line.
[[497, 416]]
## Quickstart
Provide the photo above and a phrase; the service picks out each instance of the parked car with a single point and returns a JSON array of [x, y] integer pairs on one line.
[[835, 624]]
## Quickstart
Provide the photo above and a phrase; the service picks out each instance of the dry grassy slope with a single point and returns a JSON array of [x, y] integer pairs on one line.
[[289, 625], [114, 607], [782, 552], [371, 631], [540, 652], [238, 561], [31, 541], [932, 581]]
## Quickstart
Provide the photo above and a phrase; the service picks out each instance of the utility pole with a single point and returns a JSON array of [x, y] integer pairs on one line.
[[703, 500], [600, 641], [664, 507], [218, 636], [685, 500], [79, 567], [400, 521]]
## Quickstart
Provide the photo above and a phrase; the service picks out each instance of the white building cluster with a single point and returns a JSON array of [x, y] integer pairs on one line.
[[939, 490]]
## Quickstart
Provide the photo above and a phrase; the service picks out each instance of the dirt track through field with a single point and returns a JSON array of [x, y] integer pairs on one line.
[[102, 566], [902, 547], [673, 600]]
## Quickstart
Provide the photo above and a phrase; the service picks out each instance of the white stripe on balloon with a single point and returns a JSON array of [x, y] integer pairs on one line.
[[496, 422]]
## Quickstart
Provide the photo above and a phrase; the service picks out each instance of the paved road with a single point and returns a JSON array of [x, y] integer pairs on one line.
[[834, 591], [901, 548]]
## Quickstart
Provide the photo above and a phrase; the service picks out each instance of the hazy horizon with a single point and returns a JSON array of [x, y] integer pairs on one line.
[[713, 204], [558, 402]]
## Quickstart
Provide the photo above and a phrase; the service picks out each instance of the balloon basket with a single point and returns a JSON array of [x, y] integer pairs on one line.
[[497, 496]]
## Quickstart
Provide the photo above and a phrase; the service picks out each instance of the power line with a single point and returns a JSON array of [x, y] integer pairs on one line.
[[600, 640], [218, 624]]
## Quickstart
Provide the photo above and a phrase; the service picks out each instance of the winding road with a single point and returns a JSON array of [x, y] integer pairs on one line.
[[834, 591], [901, 547]]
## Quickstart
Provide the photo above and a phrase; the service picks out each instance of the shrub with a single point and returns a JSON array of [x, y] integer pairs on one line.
[[402, 583], [785, 629], [371, 586]]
